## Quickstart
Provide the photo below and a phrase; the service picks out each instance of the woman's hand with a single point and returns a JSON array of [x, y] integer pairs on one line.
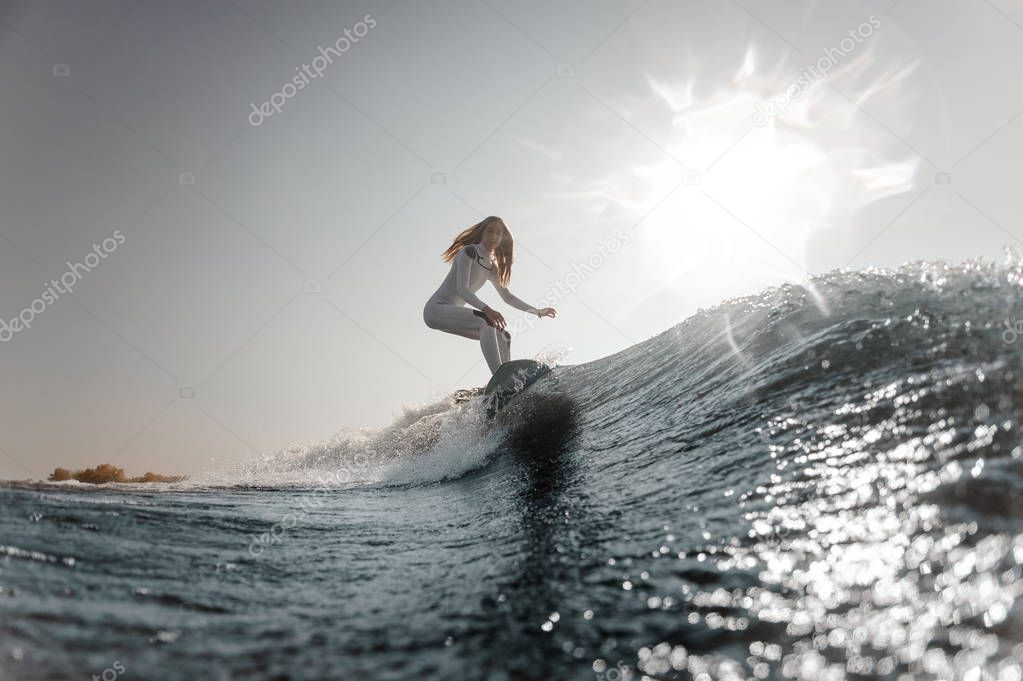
[[495, 317], [546, 312]]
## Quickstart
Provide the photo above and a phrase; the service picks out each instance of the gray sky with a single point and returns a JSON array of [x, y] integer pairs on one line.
[[268, 282]]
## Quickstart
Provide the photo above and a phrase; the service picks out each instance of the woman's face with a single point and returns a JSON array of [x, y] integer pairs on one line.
[[492, 235]]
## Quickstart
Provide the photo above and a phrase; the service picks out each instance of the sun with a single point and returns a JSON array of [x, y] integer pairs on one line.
[[737, 196]]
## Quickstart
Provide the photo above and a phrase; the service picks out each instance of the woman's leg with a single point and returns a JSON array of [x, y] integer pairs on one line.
[[461, 321], [491, 336], [504, 345]]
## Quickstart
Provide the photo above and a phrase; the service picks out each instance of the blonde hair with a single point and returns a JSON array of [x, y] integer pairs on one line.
[[503, 254]]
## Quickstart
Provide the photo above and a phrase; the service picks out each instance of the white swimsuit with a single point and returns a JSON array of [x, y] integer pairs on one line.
[[446, 311]]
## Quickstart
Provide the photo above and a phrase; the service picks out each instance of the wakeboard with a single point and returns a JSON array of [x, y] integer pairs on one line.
[[510, 380]]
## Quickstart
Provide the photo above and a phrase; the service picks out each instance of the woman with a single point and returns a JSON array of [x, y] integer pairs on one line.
[[481, 253]]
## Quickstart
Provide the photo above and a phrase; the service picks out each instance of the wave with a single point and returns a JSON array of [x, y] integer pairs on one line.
[[819, 480], [776, 342]]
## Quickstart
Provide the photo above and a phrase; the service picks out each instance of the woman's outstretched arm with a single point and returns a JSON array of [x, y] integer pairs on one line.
[[510, 298]]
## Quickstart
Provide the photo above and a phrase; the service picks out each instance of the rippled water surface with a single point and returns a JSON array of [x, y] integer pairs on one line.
[[817, 482]]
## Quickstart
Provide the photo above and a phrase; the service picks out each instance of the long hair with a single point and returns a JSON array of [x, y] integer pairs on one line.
[[503, 254]]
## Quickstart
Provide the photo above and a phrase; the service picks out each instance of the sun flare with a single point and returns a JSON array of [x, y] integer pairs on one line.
[[741, 194]]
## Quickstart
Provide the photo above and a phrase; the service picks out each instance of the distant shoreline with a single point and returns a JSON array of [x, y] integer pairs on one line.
[[107, 473]]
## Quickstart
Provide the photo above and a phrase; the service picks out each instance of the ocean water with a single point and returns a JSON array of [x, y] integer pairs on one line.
[[813, 482]]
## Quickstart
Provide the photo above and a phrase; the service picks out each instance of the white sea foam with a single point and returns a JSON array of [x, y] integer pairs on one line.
[[427, 443]]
